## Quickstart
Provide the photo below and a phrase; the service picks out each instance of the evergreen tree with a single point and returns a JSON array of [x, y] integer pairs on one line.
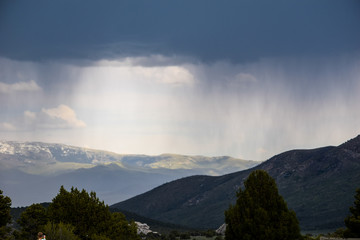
[[32, 221], [119, 227], [90, 216], [353, 222], [84, 211], [5, 217], [260, 213]]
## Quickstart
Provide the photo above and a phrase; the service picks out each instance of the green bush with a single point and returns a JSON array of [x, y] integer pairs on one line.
[[60, 231]]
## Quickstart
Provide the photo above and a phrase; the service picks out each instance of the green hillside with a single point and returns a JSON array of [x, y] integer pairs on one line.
[[319, 184]]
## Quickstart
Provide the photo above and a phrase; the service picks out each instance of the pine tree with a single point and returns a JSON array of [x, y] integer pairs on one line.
[[260, 212], [353, 222], [5, 217], [90, 216], [84, 211], [32, 221]]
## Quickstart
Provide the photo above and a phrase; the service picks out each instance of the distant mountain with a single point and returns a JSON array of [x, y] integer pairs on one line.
[[32, 172], [319, 184]]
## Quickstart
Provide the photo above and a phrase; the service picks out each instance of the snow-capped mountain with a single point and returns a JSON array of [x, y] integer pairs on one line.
[[33, 172]]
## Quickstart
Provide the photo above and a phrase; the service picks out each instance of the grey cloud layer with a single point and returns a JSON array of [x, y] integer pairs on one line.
[[251, 110], [241, 78], [207, 30], [60, 117], [19, 87]]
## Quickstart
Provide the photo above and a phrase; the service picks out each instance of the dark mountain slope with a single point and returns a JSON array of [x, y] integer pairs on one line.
[[319, 184]]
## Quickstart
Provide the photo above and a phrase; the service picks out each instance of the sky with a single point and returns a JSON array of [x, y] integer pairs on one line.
[[247, 79]]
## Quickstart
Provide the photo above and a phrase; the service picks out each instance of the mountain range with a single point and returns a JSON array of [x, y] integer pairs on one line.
[[32, 172], [318, 184]]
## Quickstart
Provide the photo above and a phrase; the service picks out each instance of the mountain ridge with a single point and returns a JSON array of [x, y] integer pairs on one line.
[[32, 172], [318, 184]]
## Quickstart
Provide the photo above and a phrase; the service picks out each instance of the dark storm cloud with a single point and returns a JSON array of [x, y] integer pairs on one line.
[[242, 78], [208, 30]]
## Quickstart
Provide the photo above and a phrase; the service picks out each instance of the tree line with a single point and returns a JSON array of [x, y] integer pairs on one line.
[[72, 215], [260, 212]]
